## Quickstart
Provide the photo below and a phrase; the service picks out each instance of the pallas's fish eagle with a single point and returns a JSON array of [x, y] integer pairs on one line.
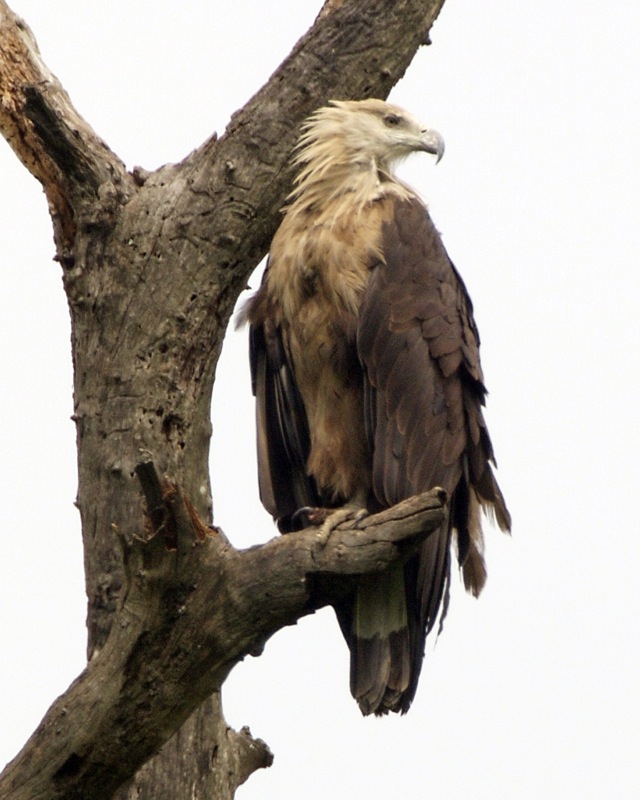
[[366, 372]]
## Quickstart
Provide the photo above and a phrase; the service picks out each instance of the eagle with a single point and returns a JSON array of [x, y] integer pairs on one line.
[[366, 372]]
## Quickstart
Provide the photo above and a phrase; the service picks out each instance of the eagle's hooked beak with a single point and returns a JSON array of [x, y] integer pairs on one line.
[[432, 142]]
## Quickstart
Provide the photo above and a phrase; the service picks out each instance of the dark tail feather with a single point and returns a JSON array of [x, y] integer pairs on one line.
[[380, 670]]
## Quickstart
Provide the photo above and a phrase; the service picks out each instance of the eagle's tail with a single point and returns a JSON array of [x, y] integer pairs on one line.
[[387, 623], [379, 643]]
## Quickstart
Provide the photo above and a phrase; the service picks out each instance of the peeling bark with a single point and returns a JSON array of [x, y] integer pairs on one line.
[[152, 265]]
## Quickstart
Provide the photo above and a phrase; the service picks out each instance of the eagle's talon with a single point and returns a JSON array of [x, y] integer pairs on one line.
[[302, 518], [309, 517]]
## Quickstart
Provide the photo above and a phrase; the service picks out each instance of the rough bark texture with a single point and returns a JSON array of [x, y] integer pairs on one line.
[[152, 265], [191, 608]]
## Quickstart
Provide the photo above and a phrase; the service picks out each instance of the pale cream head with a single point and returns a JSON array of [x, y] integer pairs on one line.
[[351, 141]]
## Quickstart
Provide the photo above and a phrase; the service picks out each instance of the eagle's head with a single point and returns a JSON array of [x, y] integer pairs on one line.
[[364, 133], [351, 147]]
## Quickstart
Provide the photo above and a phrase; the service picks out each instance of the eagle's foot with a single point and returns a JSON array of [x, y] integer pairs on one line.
[[328, 519]]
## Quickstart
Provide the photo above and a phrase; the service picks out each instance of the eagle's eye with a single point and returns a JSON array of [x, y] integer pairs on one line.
[[392, 120]]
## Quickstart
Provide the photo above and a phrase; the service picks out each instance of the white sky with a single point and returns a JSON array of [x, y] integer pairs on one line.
[[532, 691]]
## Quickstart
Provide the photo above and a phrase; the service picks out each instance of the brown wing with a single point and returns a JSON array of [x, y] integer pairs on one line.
[[281, 421], [419, 345]]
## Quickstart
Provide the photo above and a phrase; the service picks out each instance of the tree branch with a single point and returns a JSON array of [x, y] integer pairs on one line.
[[46, 132], [192, 607]]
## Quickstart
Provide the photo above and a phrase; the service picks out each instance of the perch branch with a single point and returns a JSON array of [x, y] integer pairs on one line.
[[192, 607]]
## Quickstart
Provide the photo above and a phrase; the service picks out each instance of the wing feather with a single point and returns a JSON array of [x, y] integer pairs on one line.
[[406, 335], [282, 428], [419, 346]]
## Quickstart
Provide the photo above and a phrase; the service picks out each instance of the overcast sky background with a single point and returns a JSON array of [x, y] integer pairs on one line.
[[532, 691]]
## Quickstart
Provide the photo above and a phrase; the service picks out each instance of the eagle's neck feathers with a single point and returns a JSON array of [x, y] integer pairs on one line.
[[337, 178]]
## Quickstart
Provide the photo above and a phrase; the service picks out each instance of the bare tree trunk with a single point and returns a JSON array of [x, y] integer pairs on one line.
[[152, 265]]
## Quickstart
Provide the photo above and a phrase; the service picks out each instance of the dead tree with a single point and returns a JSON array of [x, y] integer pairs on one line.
[[152, 265]]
